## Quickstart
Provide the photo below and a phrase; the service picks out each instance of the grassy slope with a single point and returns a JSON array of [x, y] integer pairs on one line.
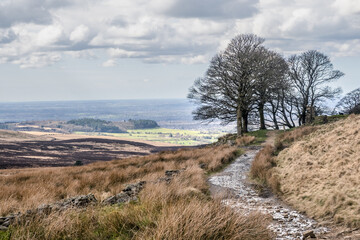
[[179, 210], [320, 173]]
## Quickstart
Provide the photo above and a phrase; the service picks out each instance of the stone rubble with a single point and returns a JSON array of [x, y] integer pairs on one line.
[[129, 193], [286, 224]]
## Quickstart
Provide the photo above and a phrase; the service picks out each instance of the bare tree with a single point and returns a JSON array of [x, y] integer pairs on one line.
[[226, 92], [268, 82], [309, 73], [350, 103], [281, 105]]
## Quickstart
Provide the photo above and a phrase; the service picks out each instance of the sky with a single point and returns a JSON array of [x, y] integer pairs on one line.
[[154, 49]]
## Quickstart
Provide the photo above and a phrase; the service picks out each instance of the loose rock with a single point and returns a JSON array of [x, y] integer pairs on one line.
[[309, 234]]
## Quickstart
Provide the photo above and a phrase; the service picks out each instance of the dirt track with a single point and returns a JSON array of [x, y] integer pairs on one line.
[[22, 154]]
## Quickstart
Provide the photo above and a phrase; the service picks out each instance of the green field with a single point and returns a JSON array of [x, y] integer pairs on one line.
[[173, 136]]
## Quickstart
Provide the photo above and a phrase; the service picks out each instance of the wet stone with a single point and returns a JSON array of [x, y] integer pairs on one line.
[[287, 224]]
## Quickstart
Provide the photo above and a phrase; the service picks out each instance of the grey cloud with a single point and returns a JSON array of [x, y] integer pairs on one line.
[[213, 9], [7, 36], [119, 21], [28, 11]]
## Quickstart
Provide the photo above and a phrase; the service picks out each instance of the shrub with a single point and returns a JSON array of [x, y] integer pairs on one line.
[[78, 163]]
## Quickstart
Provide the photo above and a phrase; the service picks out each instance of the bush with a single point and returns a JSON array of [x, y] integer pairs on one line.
[[78, 163]]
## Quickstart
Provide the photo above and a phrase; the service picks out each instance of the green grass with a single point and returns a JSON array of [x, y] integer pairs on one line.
[[320, 119], [166, 135], [260, 136], [5, 235]]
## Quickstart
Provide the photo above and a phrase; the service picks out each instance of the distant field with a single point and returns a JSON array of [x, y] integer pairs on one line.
[[173, 136]]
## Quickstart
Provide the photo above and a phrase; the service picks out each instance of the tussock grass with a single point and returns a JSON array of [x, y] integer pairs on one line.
[[27, 188], [320, 174], [285, 139], [262, 169], [179, 210]]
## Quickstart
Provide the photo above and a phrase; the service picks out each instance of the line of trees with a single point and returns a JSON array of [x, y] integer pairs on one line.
[[249, 84]]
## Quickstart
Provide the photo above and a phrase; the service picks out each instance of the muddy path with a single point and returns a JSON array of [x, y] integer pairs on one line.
[[235, 189]]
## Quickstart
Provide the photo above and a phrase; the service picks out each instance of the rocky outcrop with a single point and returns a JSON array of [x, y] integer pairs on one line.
[[129, 193], [81, 201]]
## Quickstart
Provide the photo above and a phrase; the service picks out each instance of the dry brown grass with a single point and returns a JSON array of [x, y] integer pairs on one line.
[[245, 140], [166, 211], [179, 210], [27, 188], [262, 169], [320, 174], [285, 139]]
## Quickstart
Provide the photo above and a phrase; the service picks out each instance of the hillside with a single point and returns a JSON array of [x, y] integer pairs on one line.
[[320, 173]]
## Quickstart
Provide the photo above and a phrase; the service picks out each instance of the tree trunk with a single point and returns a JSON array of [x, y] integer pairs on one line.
[[239, 123], [261, 115], [245, 122], [283, 112], [276, 125], [303, 115]]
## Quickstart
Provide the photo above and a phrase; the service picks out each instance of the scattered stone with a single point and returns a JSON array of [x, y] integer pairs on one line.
[[6, 224], [3, 228], [129, 193], [78, 201], [309, 234], [170, 173], [202, 165]]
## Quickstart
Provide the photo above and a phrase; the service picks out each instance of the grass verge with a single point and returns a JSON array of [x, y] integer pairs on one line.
[[262, 168]]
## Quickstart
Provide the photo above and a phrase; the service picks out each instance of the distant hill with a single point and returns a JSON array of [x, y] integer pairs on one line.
[[80, 125], [96, 125]]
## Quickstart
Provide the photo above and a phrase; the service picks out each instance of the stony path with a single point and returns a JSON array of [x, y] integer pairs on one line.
[[286, 224]]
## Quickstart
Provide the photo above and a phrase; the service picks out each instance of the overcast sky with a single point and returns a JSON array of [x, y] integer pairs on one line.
[[128, 49]]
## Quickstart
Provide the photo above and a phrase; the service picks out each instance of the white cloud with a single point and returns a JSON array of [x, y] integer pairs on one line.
[[109, 63], [80, 33], [195, 59], [49, 35], [37, 60], [170, 31], [347, 7]]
